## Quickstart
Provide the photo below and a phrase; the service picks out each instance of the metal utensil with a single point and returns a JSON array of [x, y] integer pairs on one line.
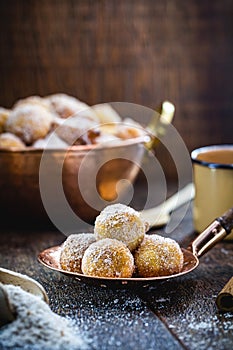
[[160, 215], [214, 233]]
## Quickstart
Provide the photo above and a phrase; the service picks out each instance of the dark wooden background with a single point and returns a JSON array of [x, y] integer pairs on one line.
[[136, 51]]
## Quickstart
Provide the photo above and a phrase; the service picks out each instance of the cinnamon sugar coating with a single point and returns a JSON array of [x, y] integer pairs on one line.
[[66, 106], [120, 222], [30, 122], [108, 258], [158, 256], [8, 140], [73, 249], [33, 100]]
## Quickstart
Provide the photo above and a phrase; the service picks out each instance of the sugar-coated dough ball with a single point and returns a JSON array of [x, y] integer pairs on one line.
[[129, 129], [72, 251], [66, 106], [158, 256], [106, 113], [4, 114], [51, 141], [108, 258], [30, 122], [107, 139], [8, 140], [37, 100], [76, 129], [120, 222]]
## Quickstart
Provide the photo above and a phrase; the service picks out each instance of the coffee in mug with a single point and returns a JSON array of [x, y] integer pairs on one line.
[[213, 179]]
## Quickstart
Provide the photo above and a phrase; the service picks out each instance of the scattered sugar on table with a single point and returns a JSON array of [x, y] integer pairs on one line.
[[36, 326]]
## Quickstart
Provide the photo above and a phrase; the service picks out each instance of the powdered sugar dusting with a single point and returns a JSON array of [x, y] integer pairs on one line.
[[36, 326], [38, 100], [52, 141], [116, 210], [211, 330], [108, 258], [121, 222], [66, 106], [158, 256], [30, 122], [8, 139], [34, 117], [73, 249], [74, 128]]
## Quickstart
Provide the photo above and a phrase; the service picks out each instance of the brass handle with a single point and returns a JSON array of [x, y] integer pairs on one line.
[[157, 126]]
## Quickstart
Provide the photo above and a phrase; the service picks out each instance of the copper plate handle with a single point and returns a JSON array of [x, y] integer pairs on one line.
[[214, 233]]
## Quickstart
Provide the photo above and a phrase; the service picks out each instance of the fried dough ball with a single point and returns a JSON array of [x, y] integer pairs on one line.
[[129, 129], [51, 141], [120, 222], [107, 139], [111, 123], [37, 100], [158, 256], [76, 130], [66, 106], [4, 114], [108, 258], [8, 140], [72, 251], [30, 122], [106, 113]]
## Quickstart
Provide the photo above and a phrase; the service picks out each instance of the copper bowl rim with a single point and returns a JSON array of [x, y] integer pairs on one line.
[[80, 148]]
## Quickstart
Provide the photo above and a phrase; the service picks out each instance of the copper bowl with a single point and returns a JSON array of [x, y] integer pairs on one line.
[[22, 201]]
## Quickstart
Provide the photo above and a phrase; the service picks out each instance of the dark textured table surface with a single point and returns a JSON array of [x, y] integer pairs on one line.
[[176, 314]]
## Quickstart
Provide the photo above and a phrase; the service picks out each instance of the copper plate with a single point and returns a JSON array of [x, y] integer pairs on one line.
[[213, 234], [51, 258]]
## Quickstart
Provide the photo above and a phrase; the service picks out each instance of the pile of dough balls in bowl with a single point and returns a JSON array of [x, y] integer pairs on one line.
[[31, 121], [71, 133], [121, 248]]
